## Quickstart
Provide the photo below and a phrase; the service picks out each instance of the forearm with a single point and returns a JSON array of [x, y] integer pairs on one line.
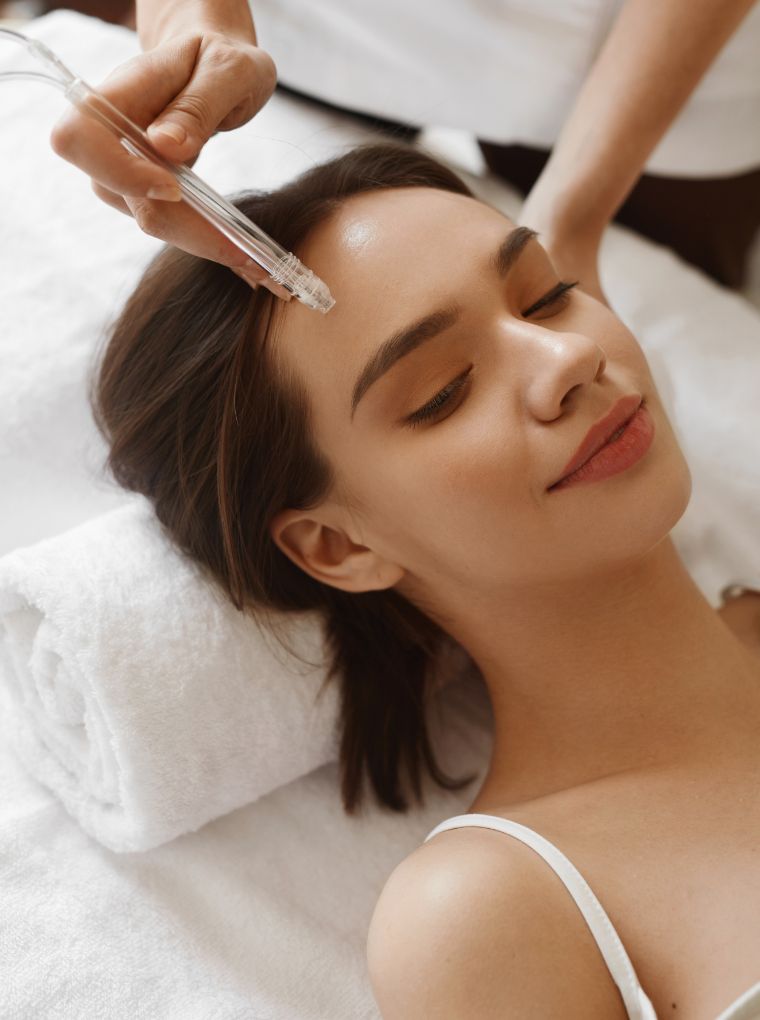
[[651, 61], [158, 19]]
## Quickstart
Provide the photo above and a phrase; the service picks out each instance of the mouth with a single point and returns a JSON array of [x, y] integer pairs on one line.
[[605, 431]]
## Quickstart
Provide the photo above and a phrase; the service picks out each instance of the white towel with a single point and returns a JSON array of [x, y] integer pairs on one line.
[[147, 704], [141, 696]]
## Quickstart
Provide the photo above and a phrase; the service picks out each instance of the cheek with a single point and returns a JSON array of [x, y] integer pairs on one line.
[[456, 506], [458, 475], [623, 349]]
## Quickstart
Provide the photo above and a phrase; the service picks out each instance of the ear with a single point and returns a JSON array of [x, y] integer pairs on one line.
[[327, 553]]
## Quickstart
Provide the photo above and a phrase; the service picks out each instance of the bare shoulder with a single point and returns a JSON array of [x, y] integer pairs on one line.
[[476, 924]]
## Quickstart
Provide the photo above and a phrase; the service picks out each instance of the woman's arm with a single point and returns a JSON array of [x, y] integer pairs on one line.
[[155, 19], [653, 58]]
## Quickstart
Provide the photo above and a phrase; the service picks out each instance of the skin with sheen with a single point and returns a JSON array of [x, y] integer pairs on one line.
[[599, 652]]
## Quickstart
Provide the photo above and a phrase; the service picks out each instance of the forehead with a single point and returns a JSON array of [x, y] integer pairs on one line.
[[390, 243], [388, 257]]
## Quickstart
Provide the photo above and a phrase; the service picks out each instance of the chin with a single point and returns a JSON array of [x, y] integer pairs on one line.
[[673, 478], [676, 491], [661, 492], [662, 498], [651, 498]]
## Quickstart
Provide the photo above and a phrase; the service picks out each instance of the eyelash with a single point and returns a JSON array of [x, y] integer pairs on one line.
[[430, 409]]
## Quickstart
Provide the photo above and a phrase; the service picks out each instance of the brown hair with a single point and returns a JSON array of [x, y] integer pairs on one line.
[[200, 420]]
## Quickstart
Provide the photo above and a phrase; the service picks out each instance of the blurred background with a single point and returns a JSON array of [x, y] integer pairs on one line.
[[119, 12]]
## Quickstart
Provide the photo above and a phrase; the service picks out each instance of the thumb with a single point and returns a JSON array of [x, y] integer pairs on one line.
[[228, 84], [182, 128], [169, 131]]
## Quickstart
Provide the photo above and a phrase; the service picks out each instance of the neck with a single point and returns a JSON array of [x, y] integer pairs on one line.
[[624, 671]]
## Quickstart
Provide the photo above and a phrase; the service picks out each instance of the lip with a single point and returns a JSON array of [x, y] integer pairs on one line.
[[599, 433]]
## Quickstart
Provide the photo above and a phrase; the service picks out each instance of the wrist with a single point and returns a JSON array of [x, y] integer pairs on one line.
[[564, 214], [572, 245], [157, 21]]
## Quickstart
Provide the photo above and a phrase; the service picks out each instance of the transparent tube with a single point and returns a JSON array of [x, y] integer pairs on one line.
[[282, 266]]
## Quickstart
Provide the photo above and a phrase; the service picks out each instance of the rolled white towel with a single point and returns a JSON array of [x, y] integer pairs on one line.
[[138, 693], [141, 697]]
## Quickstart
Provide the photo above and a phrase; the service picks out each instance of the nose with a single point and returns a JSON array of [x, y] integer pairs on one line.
[[569, 362]]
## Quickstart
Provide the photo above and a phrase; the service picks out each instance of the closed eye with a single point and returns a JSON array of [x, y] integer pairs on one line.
[[439, 400], [433, 408], [548, 299]]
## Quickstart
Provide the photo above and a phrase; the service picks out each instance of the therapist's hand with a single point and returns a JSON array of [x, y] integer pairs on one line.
[[573, 248], [198, 82]]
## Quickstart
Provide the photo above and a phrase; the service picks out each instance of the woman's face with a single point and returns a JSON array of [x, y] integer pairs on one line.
[[458, 499]]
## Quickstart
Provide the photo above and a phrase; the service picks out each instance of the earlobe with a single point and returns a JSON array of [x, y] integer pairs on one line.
[[328, 554]]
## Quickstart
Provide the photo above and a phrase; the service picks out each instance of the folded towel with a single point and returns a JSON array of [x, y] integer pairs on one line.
[[138, 693]]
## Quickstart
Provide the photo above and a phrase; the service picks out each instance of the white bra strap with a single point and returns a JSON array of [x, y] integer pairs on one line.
[[637, 1004], [732, 591]]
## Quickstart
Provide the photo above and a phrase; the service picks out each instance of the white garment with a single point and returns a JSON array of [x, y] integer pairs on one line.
[[506, 71], [637, 1003]]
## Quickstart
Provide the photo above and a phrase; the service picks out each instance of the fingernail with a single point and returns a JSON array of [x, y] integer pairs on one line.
[[174, 132], [276, 289], [256, 277], [166, 192], [249, 275]]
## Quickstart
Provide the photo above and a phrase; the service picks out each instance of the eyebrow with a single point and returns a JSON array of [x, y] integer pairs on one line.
[[406, 340]]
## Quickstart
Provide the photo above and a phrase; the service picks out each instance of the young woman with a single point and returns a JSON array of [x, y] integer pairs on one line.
[[408, 465]]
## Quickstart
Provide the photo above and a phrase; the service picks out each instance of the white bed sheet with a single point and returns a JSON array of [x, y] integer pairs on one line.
[[262, 913]]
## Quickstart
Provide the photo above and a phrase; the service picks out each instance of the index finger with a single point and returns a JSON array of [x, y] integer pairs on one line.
[[141, 88]]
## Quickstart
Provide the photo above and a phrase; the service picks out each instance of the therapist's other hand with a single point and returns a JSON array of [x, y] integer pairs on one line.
[[198, 82], [576, 258], [573, 248]]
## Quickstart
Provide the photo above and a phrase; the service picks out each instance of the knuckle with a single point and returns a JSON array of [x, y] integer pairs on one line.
[[146, 217], [226, 56], [267, 71], [236, 117], [103, 193], [247, 62], [262, 85], [110, 197], [241, 113], [264, 79], [62, 134], [251, 69]]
